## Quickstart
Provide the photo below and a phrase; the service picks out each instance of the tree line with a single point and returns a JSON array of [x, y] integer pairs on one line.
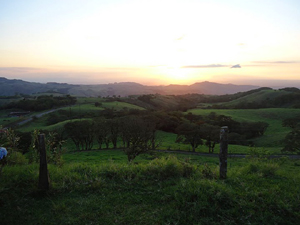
[[138, 133], [41, 103]]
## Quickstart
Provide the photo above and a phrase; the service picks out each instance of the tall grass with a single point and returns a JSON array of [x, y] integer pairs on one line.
[[162, 190]]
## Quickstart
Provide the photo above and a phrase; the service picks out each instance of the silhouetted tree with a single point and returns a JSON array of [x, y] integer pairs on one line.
[[102, 131], [138, 135], [190, 133], [292, 139], [81, 133], [211, 134]]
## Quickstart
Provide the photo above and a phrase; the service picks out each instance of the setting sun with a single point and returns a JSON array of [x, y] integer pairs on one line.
[[150, 42]]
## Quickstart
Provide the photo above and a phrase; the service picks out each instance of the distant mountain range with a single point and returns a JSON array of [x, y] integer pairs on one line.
[[10, 87]]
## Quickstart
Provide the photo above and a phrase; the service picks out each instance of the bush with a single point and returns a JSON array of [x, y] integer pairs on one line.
[[208, 173], [16, 158], [168, 167], [263, 169]]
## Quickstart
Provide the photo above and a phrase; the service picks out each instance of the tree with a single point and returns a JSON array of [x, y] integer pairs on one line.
[[102, 132], [81, 133], [291, 122], [292, 141], [98, 104], [138, 135], [190, 133], [254, 129], [211, 134], [114, 131]]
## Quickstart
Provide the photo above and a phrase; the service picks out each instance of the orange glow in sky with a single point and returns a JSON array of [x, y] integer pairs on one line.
[[150, 42]]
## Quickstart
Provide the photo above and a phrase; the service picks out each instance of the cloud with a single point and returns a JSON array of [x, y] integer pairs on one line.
[[276, 62], [157, 65], [236, 66], [205, 66], [18, 69]]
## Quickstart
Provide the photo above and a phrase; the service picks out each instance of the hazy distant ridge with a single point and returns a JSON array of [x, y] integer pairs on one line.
[[11, 87]]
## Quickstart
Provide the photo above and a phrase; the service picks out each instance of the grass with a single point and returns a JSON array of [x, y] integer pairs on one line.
[[115, 104], [5, 101], [271, 141], [257, 97], [100, 187], [167, 141], [121, 105], [274, 134]]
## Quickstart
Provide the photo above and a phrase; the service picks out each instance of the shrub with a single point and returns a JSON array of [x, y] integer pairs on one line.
[[16, 158], [263, 169], [168, 167], [208, 173]]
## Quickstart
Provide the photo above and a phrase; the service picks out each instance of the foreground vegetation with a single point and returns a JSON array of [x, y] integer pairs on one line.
[[99, 187], [90, 186]]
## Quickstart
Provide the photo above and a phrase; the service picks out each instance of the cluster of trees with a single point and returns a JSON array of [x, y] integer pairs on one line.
[[194, 134], [240, 133], [138, 134], [43, 102], [292, 139], [135, 130]]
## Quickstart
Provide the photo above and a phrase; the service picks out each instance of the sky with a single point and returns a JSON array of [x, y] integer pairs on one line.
[[154, 42]]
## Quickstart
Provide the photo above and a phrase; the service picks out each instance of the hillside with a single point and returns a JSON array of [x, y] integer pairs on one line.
[[13, 87], [266, 98]]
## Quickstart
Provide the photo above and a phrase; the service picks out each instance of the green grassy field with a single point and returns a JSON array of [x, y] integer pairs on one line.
[[121, 105], [257, 97], [100, 187], [4, 119], [88, 102], [275, 132], [271, 141]]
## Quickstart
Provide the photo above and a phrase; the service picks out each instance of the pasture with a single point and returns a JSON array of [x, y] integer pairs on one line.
[[271, 141], [275, 132], [100, 187]]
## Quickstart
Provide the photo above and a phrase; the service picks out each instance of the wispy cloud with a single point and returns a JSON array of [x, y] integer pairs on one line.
[[157, 65], [276, 62], [212, 66], [205, 66], [19, 69], [236, 66]]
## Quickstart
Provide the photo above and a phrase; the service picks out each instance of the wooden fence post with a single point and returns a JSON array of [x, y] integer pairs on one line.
[[223, 151], [44, 175]]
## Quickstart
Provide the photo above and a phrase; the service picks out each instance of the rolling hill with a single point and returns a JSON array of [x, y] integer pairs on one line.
[[12, 87]]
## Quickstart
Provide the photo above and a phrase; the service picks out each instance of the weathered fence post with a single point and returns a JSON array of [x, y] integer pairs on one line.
[[223, 151], [44, 175]]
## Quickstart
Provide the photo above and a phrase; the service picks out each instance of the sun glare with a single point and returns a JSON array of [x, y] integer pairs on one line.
[[175, 75], [154, 41]]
